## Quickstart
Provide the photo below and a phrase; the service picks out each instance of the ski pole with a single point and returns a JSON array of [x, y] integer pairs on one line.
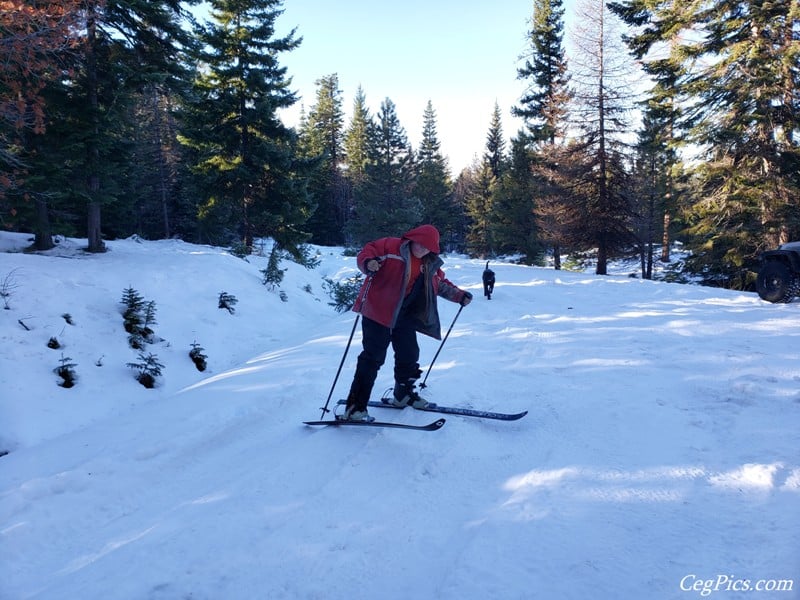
[[422, 385], [335, 379], [325, 408]]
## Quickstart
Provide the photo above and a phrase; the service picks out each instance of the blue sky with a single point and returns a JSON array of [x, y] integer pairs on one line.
[[460, 55]]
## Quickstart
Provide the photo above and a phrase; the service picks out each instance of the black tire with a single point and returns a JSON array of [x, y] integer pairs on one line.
[[776, 282]]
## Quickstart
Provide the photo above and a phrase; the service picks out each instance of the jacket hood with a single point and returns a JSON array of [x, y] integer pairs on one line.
[[427, 235]]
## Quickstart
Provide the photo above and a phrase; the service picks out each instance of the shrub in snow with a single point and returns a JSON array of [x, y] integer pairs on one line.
[[198, 357], [240, 250], [53, 343], [148, 369], [227, 301], [66, 370], [132, 315], [273, 274], [343, 293], [307, 257], [138, 317], [7, 287]]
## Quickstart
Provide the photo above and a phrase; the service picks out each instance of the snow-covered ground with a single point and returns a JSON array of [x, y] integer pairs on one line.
[[660, 457]]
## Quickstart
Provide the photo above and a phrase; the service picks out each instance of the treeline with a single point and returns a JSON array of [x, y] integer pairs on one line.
[[122, 117]]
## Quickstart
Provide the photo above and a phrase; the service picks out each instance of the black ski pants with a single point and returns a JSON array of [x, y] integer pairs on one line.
[[375, 342]]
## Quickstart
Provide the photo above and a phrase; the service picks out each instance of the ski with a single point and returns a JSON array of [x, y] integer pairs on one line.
[[452, 410], [429, 427]]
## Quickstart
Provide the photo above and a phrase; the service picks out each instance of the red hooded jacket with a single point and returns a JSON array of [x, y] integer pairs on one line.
[[381, 295]]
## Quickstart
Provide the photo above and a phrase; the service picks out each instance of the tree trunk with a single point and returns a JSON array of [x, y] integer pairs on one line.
[[44, 234], [665, 239], [557, 257], [93, 210], [602, 257], [96, 243]]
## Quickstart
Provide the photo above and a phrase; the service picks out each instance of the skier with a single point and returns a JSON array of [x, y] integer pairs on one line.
[[397, 299]]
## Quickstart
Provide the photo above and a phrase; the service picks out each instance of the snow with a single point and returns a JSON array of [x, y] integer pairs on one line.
[[659, 458]]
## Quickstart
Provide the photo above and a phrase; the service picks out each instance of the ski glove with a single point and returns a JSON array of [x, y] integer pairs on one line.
[[466, 298]]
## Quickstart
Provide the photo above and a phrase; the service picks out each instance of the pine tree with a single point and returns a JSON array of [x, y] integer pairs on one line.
[[243, 152], [323, 139], [747, 116], [544, 104], [544, 109], [478, 200], [134, 43], [357, 139], [557, 180], [733, 65], [513, 217], [651, 183], [433, 187], [663, 103], [356, 144], [495, 144], [384, 203], [81, 162], [33, 40], [602, 104]]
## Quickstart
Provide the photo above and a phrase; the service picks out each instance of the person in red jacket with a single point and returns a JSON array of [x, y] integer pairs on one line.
[[398, 299]]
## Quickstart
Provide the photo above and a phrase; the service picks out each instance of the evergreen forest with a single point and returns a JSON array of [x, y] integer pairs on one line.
[[130, 117]]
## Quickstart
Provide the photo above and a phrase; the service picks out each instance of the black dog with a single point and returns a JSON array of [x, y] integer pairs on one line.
[[488, 281]]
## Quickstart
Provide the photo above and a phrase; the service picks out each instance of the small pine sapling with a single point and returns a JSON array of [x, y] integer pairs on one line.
[[149, 319], [227, 301], [66, 370], [148, 369], [132, 316], [343, 293], [138, 318], [53, 343], [198, 357], [273, 274], [240, 250]]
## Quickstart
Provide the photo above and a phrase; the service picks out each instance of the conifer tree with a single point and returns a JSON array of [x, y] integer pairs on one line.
[[322, 136], [544, 109], [513, 216], [384, 203], [433, 187], [746, 113], [663, 105], [119, 47], [651, 183], [243, 152], [33, 39], [544, 104], [478, 200], [357, 155], [357, 138], [602, 103], [560, 197], [495, 144], [734, 68]]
